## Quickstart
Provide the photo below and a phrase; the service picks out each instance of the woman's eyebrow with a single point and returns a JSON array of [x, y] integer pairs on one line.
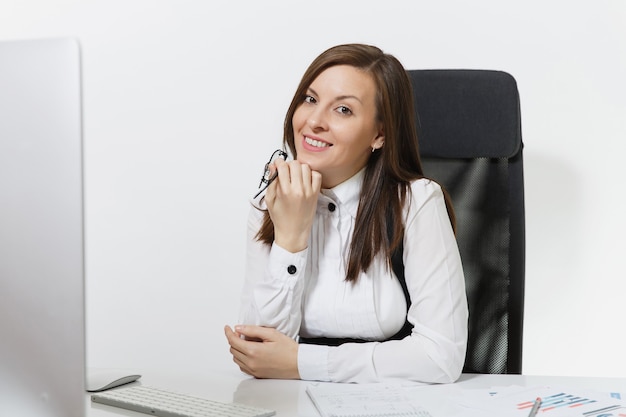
[[348, 96], [338, 98]]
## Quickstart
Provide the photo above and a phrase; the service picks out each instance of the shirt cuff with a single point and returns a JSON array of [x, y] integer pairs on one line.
[[286, 265], [313, 362]]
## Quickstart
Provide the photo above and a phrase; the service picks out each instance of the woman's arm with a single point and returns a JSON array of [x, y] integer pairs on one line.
[[273, 283], [263, 344], [274, 277], [271, 314]]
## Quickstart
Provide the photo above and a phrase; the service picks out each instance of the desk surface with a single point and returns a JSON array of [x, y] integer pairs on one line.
[[289, 398]]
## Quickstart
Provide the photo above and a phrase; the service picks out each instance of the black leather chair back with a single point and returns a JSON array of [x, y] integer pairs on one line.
[[470, 142]]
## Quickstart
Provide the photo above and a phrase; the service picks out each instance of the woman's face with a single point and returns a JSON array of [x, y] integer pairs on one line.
[[335, 127]]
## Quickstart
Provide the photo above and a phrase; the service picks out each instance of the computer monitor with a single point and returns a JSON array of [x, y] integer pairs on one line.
[[42, 324]]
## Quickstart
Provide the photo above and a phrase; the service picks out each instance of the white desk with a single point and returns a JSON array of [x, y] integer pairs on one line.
[[289, 398]]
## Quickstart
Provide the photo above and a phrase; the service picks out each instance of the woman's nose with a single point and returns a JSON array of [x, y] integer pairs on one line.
[[317, 119]]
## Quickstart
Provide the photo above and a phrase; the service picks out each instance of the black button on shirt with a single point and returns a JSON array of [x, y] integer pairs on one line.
[[331, 207], [292, 269]]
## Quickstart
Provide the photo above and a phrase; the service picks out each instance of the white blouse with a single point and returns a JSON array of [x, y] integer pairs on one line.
[[306, 294]]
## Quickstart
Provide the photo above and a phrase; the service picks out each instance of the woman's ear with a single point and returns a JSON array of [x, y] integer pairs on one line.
[[378, 141]]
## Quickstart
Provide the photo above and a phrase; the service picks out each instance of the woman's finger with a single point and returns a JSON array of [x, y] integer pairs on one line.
[[316, 181], [305, 175], [256, 332]]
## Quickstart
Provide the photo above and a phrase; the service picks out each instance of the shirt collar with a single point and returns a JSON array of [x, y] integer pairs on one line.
[[348, 193]]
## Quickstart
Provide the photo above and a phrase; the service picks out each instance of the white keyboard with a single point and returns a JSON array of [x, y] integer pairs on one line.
[[169, 404]]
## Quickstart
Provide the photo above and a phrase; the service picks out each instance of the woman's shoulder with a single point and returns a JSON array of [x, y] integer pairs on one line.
[[425, 187], [423, 193]]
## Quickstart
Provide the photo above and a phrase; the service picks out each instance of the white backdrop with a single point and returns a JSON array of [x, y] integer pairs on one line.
[[184, 101]]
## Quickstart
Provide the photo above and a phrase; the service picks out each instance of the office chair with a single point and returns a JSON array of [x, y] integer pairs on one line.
[[470, 142]]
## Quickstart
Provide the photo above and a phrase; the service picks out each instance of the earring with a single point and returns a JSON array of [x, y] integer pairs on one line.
[[373, 149]]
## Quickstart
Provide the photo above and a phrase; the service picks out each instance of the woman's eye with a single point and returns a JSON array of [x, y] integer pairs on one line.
[[309, 99], [344, 110]]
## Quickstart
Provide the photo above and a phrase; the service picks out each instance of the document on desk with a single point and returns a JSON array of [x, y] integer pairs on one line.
[[363, 400], [517, 401]]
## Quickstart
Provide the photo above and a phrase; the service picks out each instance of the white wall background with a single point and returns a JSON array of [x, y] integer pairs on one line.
[[184, 101]]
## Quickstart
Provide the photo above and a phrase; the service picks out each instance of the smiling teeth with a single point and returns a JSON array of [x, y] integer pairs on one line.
[[316, 143]]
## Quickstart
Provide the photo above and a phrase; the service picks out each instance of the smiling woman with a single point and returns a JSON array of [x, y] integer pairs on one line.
[[320, 299]]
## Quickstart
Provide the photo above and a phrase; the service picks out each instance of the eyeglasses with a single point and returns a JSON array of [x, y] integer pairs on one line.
[[268, 175]]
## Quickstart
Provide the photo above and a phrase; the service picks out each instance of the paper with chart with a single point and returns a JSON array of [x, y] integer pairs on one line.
[[516, 401]]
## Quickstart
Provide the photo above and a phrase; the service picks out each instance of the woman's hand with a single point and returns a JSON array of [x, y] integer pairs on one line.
[[264, 353], [292, 200]]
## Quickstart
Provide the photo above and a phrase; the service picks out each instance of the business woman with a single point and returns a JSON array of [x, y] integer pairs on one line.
[[321, 300]]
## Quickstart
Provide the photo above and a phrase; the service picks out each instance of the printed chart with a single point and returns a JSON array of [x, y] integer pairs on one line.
[[563, 400], [517, 401]]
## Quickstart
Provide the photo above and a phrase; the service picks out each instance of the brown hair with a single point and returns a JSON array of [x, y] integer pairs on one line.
[[389, 170]]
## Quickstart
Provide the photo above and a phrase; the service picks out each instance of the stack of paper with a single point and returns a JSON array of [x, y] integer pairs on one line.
[[364, 400]]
